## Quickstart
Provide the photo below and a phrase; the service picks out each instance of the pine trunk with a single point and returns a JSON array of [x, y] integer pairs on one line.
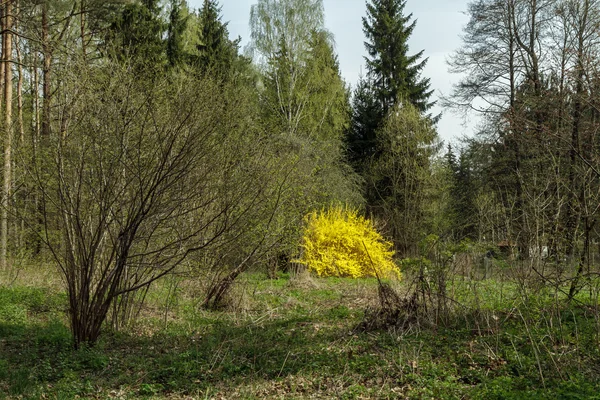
[[8, 128]]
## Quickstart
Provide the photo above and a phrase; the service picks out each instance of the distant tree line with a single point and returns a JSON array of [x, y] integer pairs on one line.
[[531, 71]]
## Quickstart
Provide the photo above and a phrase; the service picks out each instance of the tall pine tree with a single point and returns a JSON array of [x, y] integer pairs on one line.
[[217, 53], [175, 32], [366, 117], [390, 107], [462, 211], [393, 76], [136, 35]]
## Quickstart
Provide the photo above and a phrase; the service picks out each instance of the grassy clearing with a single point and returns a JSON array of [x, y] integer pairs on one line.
[[291, 339]]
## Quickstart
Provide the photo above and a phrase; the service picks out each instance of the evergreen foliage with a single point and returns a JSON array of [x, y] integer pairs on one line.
[[392, 90], [136, 35], [398, 178], [395, 73], [308, 98], [148, 167], [361, 138], [328, 98], [462, 209], [176, 29], [450, 159], [304, 100], [293, 48], [216, 53]]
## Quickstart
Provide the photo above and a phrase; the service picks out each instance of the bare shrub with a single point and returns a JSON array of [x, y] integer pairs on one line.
[[141, 176]]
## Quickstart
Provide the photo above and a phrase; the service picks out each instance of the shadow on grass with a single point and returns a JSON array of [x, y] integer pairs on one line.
[[212, 353], [39, 359]]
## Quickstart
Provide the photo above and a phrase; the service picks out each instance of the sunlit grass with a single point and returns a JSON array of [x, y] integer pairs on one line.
[[296, 338]]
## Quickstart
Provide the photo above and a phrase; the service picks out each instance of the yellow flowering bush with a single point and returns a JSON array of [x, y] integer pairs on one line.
[[340, 242]]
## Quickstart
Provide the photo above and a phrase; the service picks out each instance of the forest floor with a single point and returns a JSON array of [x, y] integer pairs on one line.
[[298, 338]]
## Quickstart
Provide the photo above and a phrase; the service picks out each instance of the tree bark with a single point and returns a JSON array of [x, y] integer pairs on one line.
[[46, 73], [3, 56], [19, 229], [573, 209], [21, 123], [8, 131]]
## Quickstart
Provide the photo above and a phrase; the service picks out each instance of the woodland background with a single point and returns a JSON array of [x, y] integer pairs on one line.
[[156, 175]]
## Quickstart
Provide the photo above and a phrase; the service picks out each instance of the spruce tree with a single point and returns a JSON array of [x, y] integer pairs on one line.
[[390, 106], [393, 76], [396, 75], [462, 209], [451, 160], [136, 35], [465, 195], [176, 29], [366, 117], [216, 52], [328, 104]]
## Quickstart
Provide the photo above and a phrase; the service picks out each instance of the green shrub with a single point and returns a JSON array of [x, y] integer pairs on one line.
[[13, 314]]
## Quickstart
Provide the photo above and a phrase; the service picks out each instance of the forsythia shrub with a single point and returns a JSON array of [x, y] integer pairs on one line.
[[339, 242]]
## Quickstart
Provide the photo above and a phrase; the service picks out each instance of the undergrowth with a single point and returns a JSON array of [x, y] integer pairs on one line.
[[289, 340]]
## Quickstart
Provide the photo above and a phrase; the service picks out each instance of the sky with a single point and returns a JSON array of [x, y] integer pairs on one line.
[[438, 30]]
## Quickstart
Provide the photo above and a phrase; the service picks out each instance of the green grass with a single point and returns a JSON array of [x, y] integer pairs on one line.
[[290, 339]]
